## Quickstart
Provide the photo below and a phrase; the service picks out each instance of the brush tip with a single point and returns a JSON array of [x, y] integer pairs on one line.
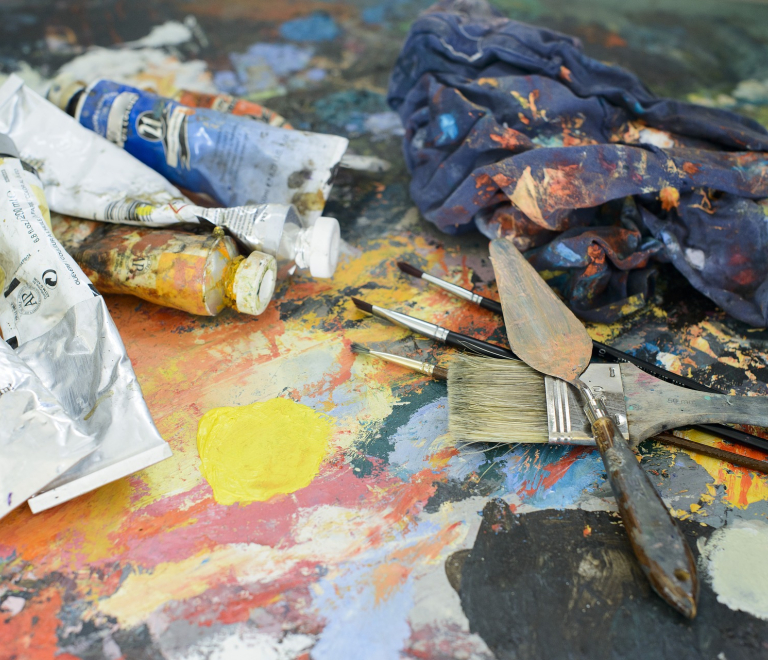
[[359, 348], [410, 270], [361, 304]]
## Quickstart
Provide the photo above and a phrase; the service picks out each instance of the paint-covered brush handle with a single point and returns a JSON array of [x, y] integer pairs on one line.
[[657, 541]]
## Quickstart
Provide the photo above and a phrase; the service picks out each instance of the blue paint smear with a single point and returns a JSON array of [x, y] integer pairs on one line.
[[413, 441], [315, 27], [566, 253], [450, 130], [357, 625], [374, 14], [528, 466]]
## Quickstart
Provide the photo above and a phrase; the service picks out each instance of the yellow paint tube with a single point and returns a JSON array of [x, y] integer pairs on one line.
[[197, 273]]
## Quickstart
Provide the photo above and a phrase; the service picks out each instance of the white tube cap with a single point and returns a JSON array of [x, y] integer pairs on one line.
[[324, 247], [254, 283]]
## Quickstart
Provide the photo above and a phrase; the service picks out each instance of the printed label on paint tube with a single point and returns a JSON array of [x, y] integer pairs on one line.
[[99, 181], [234, 160], [232, 106], [40, 281]]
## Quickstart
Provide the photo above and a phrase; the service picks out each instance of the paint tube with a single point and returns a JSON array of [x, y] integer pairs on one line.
[[231, 105], [59, 326], [38, 439], [236, 161], [199, 274], [89, 177]]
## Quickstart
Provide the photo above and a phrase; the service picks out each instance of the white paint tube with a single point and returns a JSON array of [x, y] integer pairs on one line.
[[39, 441], [59, 326], [87, 176]]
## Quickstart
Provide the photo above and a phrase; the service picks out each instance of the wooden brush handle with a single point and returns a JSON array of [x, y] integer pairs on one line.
[[714, 452], [657, 541]]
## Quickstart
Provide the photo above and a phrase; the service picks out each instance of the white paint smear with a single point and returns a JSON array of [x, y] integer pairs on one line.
[[734, 561]]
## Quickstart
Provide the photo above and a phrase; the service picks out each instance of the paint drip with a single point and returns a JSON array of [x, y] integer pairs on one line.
[[734, 559], [252, 453]]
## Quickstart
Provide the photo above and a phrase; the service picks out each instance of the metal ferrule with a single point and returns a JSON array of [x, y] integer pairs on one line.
[[416, 325], [408, 363], [455, 289], [594, 408]]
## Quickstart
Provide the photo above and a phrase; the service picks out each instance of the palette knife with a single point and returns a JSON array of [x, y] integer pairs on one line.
[[543, 332]]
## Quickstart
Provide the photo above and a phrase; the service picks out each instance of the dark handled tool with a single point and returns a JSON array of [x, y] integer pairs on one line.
[[606, 353], [548, 336], [427, 329]]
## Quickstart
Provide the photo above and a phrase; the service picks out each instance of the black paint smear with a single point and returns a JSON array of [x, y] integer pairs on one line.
[[565, 584]]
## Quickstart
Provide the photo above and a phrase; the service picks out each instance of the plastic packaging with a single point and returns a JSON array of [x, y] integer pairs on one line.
[[232, 106], [234, 160], [89, 177], [59, 326], [199, 274]]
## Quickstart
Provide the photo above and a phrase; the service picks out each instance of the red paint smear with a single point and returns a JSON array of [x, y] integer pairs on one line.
[[510, 139], [168, 531], [556, 471], [233, 602], [613, 40], [746, 482], [31, 634]]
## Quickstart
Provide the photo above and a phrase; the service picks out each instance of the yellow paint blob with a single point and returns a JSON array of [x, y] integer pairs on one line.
[[251, 453]]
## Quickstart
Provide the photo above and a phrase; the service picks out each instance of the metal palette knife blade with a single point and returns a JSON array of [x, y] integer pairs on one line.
[[544, 333]]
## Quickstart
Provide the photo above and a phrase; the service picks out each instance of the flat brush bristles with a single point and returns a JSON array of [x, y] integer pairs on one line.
[[496, 401], [359, 348]]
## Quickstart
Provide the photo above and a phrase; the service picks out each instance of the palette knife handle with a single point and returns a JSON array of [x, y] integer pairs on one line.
[[656, 540]]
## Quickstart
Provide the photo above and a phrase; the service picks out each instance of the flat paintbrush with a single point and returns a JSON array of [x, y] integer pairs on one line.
[[603, 352], [482, 411]]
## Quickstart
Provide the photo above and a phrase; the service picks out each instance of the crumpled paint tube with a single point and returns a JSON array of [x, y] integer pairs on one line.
[[38, 440], [199, 274], [88, 177], [59, 326], [233, 159]]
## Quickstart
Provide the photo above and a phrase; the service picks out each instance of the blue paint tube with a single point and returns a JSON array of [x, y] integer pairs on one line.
[[232, 159]]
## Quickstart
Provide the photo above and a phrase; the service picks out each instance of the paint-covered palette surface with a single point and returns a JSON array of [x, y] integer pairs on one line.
[[374, 539]]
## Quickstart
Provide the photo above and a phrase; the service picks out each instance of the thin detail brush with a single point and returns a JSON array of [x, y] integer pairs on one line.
[[425, 368], [433, 331], [455, 289], [600, 350], [607, 353]]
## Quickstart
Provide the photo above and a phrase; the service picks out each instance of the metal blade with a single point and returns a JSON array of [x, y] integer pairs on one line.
[[541, 330]]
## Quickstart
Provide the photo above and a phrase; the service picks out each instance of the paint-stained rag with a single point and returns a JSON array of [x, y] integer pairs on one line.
[[511, 129]]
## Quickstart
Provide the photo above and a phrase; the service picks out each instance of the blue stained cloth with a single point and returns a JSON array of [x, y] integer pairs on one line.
[[512, 130]]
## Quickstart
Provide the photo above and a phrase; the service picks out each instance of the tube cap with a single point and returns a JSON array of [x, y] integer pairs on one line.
[[254, 283], [62, 89], [324, 247]]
